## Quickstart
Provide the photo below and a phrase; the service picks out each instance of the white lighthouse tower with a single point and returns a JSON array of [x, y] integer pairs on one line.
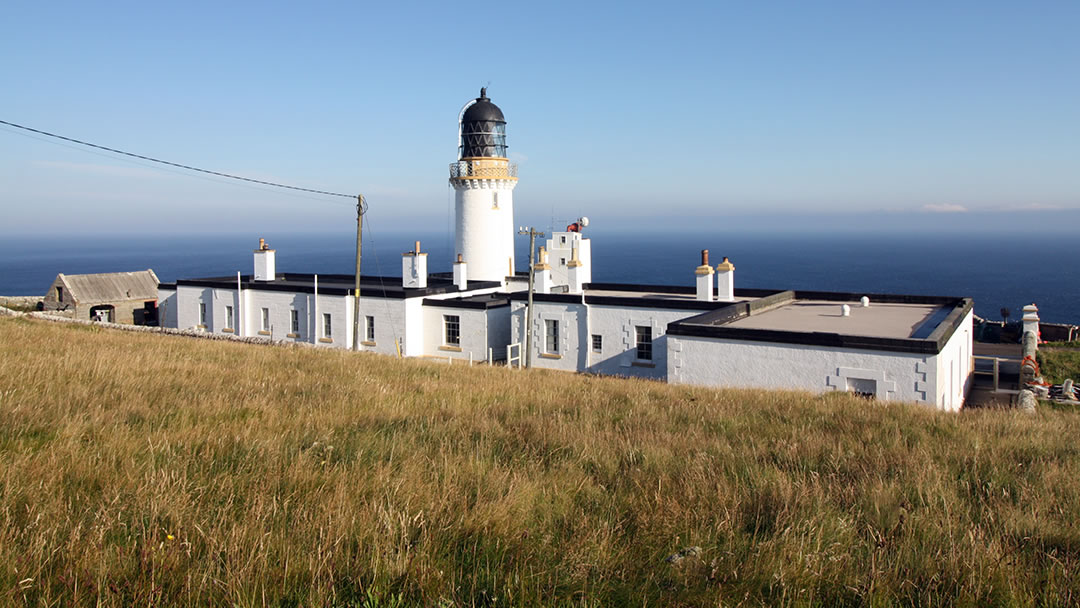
[[483, 180]]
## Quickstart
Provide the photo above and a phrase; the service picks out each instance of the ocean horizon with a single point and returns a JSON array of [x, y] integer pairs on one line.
[[997, 270]]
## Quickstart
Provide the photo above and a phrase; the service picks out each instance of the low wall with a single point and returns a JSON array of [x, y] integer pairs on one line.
[[1058, 332], [20, 301]]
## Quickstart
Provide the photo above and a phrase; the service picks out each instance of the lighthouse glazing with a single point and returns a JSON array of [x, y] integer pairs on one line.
[[483, 179]]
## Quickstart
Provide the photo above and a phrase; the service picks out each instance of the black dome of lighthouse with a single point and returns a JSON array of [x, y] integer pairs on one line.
[[483, 130]]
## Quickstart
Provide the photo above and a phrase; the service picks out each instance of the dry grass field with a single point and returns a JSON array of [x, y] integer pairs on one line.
[[165, 471]]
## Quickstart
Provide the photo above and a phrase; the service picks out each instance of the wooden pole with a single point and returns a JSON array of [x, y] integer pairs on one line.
[[356, 282]]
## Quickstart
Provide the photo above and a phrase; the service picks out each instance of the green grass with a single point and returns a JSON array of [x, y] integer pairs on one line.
[[1057, 363], [151, 470]]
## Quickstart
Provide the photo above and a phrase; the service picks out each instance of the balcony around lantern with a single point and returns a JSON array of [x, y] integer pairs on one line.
[[483, 168]]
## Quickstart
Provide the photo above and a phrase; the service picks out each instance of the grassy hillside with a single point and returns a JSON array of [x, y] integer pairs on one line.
[[151, 470]]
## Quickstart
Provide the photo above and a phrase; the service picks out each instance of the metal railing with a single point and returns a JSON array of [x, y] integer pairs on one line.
[[468, 168], [995, 372]]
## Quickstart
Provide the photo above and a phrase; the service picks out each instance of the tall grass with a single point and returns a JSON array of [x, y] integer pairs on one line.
[[151, 470]]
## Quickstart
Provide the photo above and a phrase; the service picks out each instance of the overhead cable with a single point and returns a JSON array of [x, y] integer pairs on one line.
[[188, 167]]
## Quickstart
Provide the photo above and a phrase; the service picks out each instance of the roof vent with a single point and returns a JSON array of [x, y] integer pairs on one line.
[[845, 311], [865, 301]]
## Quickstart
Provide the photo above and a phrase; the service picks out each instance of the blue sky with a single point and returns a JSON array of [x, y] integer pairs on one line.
[[641, 115]]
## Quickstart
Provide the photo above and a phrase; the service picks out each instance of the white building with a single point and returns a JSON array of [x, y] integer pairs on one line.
[[886, 347]]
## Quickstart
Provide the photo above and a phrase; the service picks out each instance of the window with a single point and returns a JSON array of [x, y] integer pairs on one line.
[[551, 344], [202, 313], [562, 261], [862, 387], [370, 329], [495, 201], [266, 319], [452, 330], [644, 342], [563, 240], [228, 317], [294, 321], [326, 325], [597, 343], [59, 294]]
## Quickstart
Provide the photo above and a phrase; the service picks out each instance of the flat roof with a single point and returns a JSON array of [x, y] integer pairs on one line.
[[899, 323], [884, 320]]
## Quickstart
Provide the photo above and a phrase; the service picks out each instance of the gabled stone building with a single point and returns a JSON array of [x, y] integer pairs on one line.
[[117, 297]]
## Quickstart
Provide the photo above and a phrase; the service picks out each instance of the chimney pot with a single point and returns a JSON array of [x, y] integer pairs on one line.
[[417, 249], [460, 258], [704, 257]]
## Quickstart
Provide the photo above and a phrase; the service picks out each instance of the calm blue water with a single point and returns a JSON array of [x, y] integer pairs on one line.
[[996, 270]]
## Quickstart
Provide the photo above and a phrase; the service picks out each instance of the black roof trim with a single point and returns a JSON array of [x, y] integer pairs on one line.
[[482, 302], [336, 285], [624, 301]]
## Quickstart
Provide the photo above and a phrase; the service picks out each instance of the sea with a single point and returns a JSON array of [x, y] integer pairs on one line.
[[998, 270]]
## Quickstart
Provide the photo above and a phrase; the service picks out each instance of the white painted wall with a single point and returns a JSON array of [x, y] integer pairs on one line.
[[745, 364], [953, 369], [616, 326], [560, 251], [474, 333], [484, 218], [187, 306], [167, 307]]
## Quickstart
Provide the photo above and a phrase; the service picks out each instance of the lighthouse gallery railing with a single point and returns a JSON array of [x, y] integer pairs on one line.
[[483, 168]]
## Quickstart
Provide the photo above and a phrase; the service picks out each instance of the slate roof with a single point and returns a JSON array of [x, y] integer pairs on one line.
[[111, 286]]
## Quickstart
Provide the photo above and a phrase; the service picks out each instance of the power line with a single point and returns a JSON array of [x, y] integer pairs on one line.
[[165, 162]]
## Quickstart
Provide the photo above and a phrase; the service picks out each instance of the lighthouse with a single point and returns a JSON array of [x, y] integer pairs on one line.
[[483, 179]]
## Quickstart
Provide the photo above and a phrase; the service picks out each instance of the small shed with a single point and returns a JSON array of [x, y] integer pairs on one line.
[[117, 297]]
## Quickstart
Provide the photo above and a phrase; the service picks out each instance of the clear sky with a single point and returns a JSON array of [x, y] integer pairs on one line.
[[647, 115]]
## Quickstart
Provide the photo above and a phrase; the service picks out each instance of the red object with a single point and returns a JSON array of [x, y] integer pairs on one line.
[[575, 227]]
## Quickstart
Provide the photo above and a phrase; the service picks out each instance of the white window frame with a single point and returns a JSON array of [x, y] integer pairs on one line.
[[640, 345], [294, 321], [327, 324], [228, 317], [455, 322], [551, 336], [266, 319], [597, 343], [369, 328]]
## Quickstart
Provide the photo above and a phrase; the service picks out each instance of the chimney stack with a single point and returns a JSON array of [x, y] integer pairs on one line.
[[265, 266], [725, 281], [461, 276], [414, 268], [704, 278], [574, 274], [542, 274]]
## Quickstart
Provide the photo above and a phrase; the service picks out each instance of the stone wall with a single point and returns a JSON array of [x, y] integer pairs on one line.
[[20, 302]]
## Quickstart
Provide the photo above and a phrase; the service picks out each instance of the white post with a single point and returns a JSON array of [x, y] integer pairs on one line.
[[239, 307], [1031, 321], [315, 334]]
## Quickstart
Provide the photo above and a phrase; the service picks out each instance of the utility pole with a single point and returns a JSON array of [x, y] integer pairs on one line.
[[361, 208], [532, 274]]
